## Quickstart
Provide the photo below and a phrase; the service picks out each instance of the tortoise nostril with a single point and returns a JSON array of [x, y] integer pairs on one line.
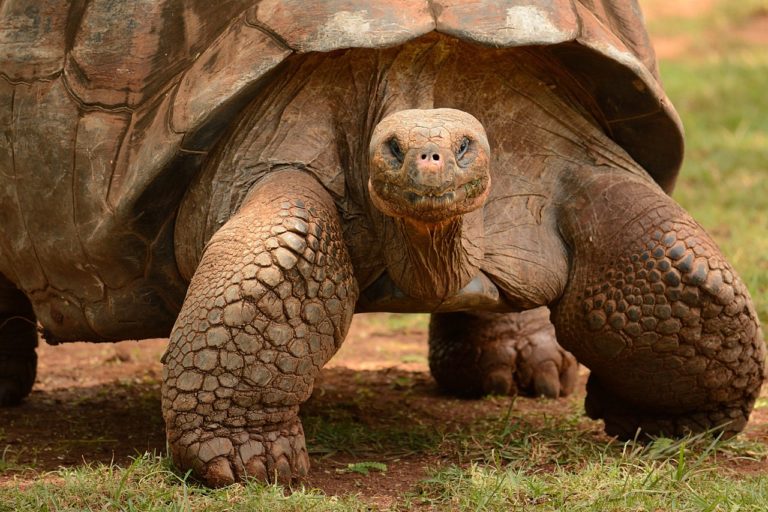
[[435, 157], [423, 156]]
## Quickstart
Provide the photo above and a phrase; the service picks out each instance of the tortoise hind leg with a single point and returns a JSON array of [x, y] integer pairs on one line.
[[18, 340], [473, 354], [269, 304]]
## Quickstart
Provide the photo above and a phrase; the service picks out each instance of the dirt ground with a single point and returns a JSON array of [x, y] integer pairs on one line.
[[101, 403], [672, 44]]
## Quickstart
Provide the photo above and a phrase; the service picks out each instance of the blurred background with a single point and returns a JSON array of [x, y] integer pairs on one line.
[[713, 56]]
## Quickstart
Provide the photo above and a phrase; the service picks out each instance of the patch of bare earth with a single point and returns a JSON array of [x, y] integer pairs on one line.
[[90, 403], [101, 403], [672, 46], [755, 32], [658, 9], [752, 32]]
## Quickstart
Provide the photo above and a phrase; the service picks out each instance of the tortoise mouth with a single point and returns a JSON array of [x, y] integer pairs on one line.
[[428, 204]]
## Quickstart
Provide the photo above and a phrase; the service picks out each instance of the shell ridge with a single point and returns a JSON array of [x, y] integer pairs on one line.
[[85, 105], [75, 15], [258, 25], [49, 78]]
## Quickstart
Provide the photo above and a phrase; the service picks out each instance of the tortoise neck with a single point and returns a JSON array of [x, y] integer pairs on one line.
[[434, 261]]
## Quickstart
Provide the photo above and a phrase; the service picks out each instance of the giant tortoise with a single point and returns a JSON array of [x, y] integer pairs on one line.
[[244, 176]]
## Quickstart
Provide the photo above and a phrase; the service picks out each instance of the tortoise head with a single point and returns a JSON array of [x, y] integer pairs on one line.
[[429, 165]]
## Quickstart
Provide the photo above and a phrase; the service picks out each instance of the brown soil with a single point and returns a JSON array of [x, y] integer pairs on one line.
[[657, 9], [101, 403], [753, 32]]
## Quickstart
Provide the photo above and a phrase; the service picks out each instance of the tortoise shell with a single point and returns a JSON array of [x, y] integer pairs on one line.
[[108, 109]]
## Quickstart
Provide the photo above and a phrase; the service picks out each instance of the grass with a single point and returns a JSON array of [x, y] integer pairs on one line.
[[400, 322], [617, 483], [339, 430], [560, 463], [513, 462], [722, 101], [151, 484]]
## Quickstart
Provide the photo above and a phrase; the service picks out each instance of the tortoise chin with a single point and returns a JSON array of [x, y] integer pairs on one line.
[[429, 165]]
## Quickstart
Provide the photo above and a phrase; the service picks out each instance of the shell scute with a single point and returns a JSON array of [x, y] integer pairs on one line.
[[32, 38], [126, 52], [231, 64], [334, 24], [508, 22]]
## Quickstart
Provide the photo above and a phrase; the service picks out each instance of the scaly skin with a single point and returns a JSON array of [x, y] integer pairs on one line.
[[18, 340], [657, 314], [474, 354], [270, 303]]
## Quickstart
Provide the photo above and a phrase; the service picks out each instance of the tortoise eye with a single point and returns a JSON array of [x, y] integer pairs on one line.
[[394, 148], [463, 147]]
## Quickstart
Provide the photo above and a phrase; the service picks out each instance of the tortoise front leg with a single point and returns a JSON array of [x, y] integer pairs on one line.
[[18, 340], [655, 311], [269, 304]]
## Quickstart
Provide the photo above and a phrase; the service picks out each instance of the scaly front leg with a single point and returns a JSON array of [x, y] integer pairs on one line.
[[269, 304], [655, 311]]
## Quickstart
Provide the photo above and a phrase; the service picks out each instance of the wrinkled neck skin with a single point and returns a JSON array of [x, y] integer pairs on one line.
[[435, 261], [426, 261]]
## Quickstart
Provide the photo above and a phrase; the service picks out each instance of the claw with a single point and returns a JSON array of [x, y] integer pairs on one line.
[[219, 473], [276, 456], [281, 472], [546, 380], [481, 353], [569, 375], [256, 470], [500, 382], [302, 463]]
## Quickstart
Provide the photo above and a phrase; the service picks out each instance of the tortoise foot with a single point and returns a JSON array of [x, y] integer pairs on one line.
[[18, 341], [269, 304], [18, 359], [223, 457], [626, 422], [17, 374], [474, 354], [544, 368]]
